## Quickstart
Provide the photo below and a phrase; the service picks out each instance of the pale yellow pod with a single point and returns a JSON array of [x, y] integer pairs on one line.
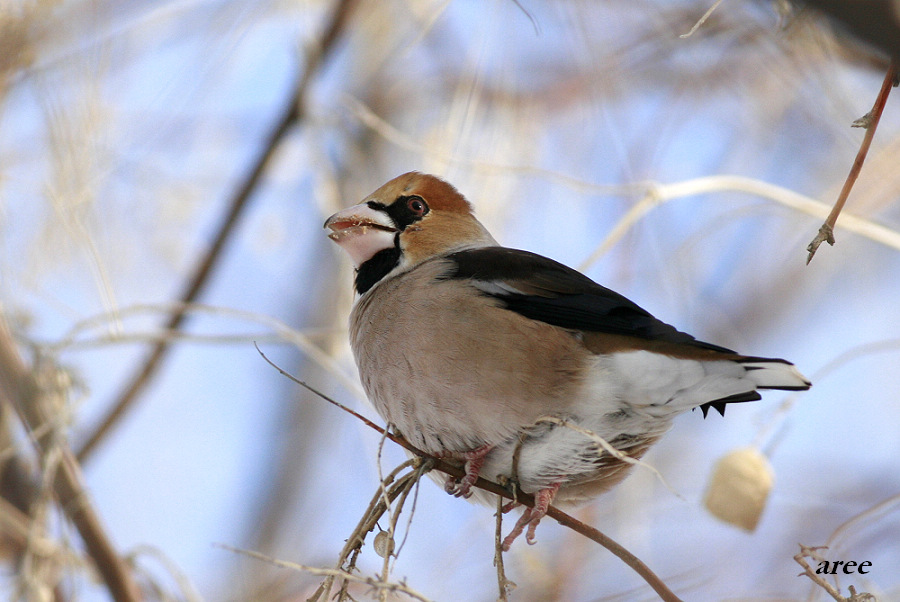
[[739, 487]]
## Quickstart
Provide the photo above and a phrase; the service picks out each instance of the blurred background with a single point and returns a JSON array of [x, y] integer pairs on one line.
[[165, 170]]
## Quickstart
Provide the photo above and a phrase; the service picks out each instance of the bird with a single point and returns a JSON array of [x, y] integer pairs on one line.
[[514, 366]]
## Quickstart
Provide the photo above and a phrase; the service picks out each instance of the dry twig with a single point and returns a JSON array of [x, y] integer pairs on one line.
[[813, 552], [870, 122], [503, 584], [381, 586]]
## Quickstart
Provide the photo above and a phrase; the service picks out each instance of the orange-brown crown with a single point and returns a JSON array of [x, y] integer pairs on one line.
[[440, 195]]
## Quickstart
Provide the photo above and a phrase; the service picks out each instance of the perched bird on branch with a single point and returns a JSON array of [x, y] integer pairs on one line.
[[511, 364]]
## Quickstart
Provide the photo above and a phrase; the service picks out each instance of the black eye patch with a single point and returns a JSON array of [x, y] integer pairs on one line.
[[405, 210]]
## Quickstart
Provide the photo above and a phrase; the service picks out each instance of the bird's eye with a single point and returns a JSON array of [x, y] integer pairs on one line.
[[416, 206]]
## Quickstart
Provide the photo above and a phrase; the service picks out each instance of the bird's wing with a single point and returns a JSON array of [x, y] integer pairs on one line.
[[542, 289]]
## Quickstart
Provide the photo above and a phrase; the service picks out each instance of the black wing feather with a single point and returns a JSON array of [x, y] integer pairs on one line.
[[563, 297]]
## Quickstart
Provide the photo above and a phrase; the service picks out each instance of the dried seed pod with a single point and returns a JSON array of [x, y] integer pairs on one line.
[[739, 487], [383, 544]]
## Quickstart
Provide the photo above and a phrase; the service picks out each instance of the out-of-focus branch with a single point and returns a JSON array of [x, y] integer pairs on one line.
[[17, 488], [20, 389], [659, 194], [870, 122], [292, 114]]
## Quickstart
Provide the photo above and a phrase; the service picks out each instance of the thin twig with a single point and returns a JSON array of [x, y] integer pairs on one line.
[[870, 122], [522, 498], [869, 514], [401, 588], [813, 552], [608, 448], [617, 549], [503, 584], [292, 114], [379, 505], [702, 20], [389, 551], [76, 338]]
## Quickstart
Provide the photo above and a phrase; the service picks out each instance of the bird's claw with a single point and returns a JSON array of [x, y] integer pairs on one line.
[[474, 460], [531, 518]]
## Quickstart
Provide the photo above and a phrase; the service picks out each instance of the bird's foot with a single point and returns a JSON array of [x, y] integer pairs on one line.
[[509, 506], [474, 461], [532, 516]]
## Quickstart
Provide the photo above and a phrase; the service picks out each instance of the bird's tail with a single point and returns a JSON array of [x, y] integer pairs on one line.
[[766, 373], [769, 373]]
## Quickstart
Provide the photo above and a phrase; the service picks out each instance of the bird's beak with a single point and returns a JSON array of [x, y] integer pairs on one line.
[[361, 231]]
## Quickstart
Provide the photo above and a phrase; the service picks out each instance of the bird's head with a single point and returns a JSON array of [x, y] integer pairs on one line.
[[411, 219]]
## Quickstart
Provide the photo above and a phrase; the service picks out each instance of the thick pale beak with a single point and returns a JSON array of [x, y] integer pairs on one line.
[[361, 231]]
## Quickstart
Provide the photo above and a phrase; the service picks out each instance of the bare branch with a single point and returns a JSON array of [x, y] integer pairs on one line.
[[702, 20], [870, 122], [504, 585], [813, 552]]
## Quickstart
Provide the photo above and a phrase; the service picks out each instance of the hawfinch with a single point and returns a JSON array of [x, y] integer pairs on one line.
[[466, 348]]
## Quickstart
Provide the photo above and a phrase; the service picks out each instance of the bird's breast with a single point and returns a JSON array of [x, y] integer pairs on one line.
[[451, 369]]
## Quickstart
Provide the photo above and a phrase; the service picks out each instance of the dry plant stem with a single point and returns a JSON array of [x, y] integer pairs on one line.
[[292, 114], [522, 498], [812, 552], [404, 492], [332, 573], [376, 509], [19, 388], [608, 448], [702, 20], [826, 231], [504, 584]]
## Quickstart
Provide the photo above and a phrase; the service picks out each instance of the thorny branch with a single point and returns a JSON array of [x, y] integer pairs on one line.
[[525, 499], [870, 122], [292, 114]]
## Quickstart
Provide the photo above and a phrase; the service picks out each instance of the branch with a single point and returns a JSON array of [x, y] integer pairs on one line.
[[522, 498], [20, 388], [870, 122], [813, 552], [374, 582], [292, 114]]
